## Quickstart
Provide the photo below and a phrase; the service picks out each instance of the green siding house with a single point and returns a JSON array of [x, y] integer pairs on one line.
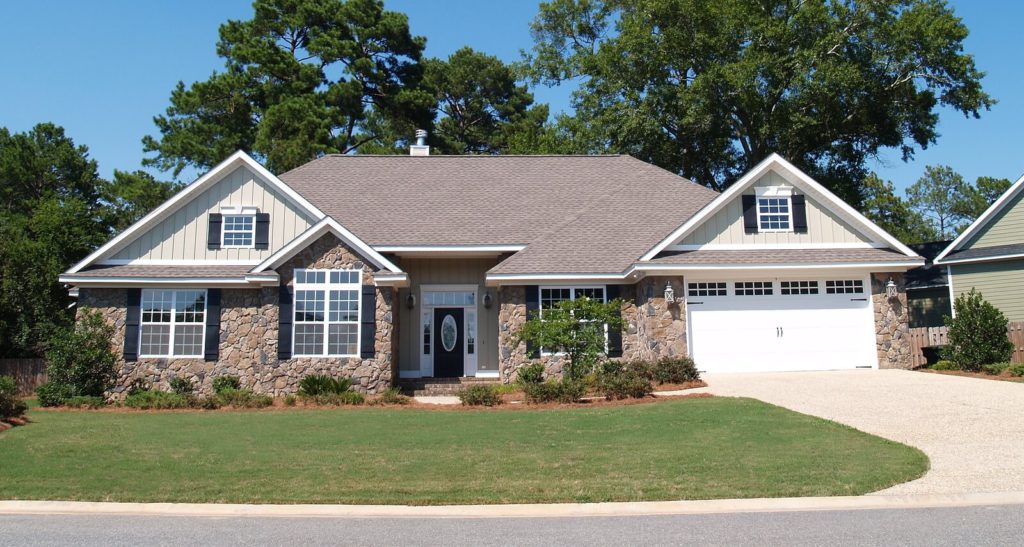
[[989, 255]]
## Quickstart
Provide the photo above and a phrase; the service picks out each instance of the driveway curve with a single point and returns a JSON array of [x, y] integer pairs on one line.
[[971, 429]]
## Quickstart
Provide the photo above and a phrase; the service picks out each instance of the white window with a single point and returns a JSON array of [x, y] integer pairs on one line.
[[798, 287], [844, 286], [774, 209], [551, 296], [326, 313], [715, 288], [173, 323], [753, 288], [239, 230]]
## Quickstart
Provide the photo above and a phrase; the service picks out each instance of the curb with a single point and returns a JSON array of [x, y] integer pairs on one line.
[[612, 509]]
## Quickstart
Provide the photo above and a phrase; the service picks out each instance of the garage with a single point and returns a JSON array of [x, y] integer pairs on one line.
[[781, 324]]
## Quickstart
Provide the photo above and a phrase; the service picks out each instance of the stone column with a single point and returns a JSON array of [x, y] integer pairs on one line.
[[511, 316], [655, 329], [892, 323]]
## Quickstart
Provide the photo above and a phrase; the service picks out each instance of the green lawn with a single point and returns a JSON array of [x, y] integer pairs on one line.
[[681, 449]]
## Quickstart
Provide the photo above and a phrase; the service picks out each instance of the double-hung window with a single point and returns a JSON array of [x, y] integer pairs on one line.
[[326, 313], [238, 228], [173, 323], [774, 209]]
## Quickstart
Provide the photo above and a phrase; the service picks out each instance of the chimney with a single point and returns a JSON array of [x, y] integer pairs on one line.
[[420, 148]]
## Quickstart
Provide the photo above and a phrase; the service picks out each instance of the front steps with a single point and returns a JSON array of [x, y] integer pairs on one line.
[[439, 387]]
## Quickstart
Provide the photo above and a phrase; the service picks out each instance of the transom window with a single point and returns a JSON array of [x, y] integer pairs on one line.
[[798, 287], [753, 288], [773, 214], [715, 288], [326, 307], [844, 286], [173, 323], [239, 230]]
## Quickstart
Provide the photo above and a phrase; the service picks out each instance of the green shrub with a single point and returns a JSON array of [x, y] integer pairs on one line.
[[157, 400], [228, 381], [674, 370], [945, 365], [995, 369], [139, 384], [564, 391], [10, 405], [207, 403], [618, 381], [322, 384], [392, 396], [977, 335], [531, 374], [54, 394], [480, 395], [86, 401], [81, 359], [183, 386], [344, 398], [242, 398], [576, 328], [289, 400], [1017, 370]]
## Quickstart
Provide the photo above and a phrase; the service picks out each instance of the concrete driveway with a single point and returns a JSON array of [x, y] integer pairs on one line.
[[971, 429]]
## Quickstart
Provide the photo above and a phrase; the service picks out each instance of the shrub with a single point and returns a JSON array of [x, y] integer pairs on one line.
[[242, 398], [10, 405], [86, 401], [392, 396], [1017, 370], [156, 400], [564, 391], [222, 383], [80, 359], [531, 374], [674, 370], [618, 381], [139, 384], [54, 394], [207, 403], [945, 365], [977, 335], [289, 400], [480, 395], [321, 384], [995, 369], [344, 398], [183, 386], [577, 329]]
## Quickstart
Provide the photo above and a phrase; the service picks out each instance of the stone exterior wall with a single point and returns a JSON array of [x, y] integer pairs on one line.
[[511, 316], [249, 336], [892, 322], [654, 329]]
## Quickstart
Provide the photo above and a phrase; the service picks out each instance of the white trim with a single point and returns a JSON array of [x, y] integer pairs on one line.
[[224, 230], [173, 262], [212, 176], [769, 246], [788, 198], [777, 191], [788, 171], [238, 210], [981, 221], [470, 362], [326, 287], [391, 280], [952, 296], [172, 324], [319, 229], [981, 259], [168, 281]]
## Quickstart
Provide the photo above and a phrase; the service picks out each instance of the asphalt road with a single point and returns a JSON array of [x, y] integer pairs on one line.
[[991, 525]]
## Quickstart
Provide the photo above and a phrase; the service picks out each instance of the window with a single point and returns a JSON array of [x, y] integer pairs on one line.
[[798, 287], [326, 312], [427, 317], [173, 323], [470, 333], [716, 288], [239, 231], [551, 296], [753, 288], [844, 286], [773, 214]]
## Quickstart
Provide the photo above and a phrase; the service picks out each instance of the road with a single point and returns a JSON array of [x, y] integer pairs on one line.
[[979, 525]]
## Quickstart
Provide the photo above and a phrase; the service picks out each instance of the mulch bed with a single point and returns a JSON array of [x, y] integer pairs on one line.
[[1005, 376]]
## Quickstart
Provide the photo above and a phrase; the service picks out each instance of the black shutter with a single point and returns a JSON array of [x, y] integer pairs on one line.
[[213, 231], [131, 325], [212, 324], [611, 292], [750, 214], [532, 308], [262, 231], [799, 214], [284, 322], [368, 322]]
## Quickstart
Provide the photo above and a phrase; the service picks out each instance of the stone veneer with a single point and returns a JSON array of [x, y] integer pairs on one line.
[[249, 335], [892, 322]]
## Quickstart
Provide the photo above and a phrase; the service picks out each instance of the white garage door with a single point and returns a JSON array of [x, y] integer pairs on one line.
[[781, 324]]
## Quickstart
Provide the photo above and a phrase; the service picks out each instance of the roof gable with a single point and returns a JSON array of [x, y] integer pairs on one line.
[[325, 226], [1007, 207]]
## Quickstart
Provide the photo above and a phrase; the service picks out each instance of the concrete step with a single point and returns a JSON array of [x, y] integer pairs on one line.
[[431, 387]]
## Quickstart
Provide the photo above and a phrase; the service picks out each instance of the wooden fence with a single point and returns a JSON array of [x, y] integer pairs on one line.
[[926, 340], [29, 373]]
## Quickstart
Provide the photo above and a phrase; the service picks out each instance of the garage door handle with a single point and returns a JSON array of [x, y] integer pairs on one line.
[[782, 331], [688, 302], [858, 300]]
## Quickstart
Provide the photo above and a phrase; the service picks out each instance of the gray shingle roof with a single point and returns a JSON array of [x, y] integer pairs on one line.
[[784, 256], [985, 252], [166, 271]]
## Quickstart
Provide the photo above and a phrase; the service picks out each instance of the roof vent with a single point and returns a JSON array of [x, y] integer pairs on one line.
[[420, 148]]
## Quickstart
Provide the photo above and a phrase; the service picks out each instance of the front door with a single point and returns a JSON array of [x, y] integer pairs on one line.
[[449, 353]]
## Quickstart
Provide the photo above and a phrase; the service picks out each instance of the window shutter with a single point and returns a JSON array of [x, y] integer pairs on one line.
[[262, 240], [532, 308], [212, 324], [368, 322], [213, 231], [750, 214], [799, 214], [614, 335], [131, 325], [284, 322]]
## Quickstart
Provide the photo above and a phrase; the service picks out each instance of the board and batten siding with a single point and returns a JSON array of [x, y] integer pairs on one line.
[[447, 271], [183, 235], [998, 282], [726, 226], [1005, 228]]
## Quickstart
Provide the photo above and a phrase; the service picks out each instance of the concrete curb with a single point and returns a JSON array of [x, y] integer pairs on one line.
[[618, 509]]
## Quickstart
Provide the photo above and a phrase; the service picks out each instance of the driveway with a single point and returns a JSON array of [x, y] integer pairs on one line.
[[971, 429]]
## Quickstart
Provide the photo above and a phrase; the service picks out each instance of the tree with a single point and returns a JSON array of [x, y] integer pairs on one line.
[[43, 162], [576, 328], [708, 89], [974, 200], [894, 215], [977, 334], [131, 195], [302, 78], [939, 196]]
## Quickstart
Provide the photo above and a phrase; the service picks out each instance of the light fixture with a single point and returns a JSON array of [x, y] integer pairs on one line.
[[488, 300], [670, 295], [890, 289], [410, 301]]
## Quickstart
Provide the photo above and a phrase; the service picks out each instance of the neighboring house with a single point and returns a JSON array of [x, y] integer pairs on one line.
[[927, 288], [989, 255], [388, 267]]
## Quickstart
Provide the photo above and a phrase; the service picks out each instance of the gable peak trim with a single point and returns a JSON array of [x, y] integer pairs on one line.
[[983, 220], [318, 230]]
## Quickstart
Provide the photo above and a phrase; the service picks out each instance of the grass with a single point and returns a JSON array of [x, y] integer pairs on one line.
[[680, 449]]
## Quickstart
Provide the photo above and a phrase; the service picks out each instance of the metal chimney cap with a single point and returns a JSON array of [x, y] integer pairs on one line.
[[421, 133]]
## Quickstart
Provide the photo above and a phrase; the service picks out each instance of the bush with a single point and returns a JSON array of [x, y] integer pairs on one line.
[[392, 396], [183, 386], [1017, 370], [242, 398], [531, 374], [80, 359], [945, 365], [617, 381], [344, 398], [86, 401], [995, 369], [225, 382], [977, 335], [157, 400], [289, 400], [674, 370], [480, 395], [10, 405], [54, 394], [139, 384], [575, 328], [321, 384], [564, 391]]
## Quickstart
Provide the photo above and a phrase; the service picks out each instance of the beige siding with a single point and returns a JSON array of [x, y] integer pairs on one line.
[[451, 271], [726, 226], [999, 282], [1006, 228], [182, 236]]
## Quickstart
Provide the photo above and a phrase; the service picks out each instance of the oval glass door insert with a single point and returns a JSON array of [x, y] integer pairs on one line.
[[449, 333]]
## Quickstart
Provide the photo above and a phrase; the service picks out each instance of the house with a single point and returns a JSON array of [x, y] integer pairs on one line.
[[927, 287], [390, 267], [989, 255]]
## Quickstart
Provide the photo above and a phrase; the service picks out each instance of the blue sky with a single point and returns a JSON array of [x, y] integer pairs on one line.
[[103, 69]]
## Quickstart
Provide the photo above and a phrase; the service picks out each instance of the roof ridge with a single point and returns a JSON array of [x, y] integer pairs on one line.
[[469, 156]]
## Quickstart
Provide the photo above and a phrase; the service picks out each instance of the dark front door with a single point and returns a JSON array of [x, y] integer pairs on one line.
[[449, 357]]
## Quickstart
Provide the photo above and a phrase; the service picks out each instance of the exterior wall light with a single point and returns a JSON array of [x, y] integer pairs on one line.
[[488, 300], [670, 295], [410, 301], [890, 289]]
